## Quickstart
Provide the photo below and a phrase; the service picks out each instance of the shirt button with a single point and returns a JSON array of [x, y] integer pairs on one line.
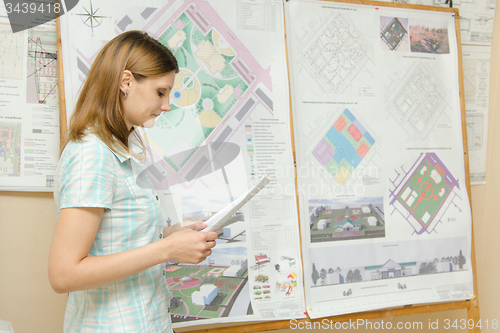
[[157, 197]]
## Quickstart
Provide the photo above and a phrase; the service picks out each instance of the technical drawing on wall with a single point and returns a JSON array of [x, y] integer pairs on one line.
[[11, 52], [394, 33], [346, 219], [217, 287], [10, 149], [334, 36], [343, 147], [423, 191], [324, 276], [216, 85], [416, 100], [42, 66]]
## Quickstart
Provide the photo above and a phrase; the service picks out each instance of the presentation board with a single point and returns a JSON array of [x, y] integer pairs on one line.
[[385, 217]]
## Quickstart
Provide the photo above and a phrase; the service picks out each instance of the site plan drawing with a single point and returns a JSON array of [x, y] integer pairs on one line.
[[343, 147], [423, 193], [228, 126], [380, 163]]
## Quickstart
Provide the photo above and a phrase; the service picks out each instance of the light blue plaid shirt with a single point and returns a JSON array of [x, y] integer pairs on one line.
[[90, 174]]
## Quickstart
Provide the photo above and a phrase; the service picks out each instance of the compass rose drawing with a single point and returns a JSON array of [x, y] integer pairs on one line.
[[91, 18]]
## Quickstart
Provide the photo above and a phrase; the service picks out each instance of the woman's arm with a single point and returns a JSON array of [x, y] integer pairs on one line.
[[71, 269]]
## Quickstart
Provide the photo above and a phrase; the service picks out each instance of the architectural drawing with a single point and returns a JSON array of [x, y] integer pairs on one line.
[[346, 219], [416, 100], [395, 33], [210, 289], [423, 192], [343, 147], [10, 149], [334, 53], [11, 52], [42, 66]]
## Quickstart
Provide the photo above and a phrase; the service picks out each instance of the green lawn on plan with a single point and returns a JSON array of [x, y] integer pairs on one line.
[[185, 294]]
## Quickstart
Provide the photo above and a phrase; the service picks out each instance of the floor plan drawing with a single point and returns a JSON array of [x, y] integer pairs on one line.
[[422, 193], [416, 100]]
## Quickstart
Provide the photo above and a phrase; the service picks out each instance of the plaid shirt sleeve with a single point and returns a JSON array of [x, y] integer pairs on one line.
[[87, 177]]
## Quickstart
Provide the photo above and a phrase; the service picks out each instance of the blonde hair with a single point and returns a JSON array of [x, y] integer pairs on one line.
[[99, 107]]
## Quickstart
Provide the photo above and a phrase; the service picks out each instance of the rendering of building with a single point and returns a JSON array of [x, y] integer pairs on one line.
[[205, 295], [233, 229]]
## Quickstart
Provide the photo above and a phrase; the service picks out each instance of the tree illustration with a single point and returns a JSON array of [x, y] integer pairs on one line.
[[357, 276], [315, 274], [322, 273], [461, 260], [349, 278]]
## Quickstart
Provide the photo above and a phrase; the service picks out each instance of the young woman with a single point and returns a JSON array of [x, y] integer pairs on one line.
[[109, 239]]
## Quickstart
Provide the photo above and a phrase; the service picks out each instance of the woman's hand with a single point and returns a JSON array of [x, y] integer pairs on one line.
[[190, 246], [197, 226]]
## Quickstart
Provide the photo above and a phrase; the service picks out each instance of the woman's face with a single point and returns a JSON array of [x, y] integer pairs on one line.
[[147, 99]]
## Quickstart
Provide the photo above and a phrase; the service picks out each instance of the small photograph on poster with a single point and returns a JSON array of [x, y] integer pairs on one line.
[[346, 219], [394, 34], [429, 37]]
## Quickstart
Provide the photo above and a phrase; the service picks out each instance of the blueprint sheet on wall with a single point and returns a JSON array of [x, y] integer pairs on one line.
[[384, 211], [477, 19], [229, 125], [476, 72], [29, 117]]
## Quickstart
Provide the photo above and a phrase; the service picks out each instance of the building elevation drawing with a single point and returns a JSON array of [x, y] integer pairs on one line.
[[343, 147], [423, 193]]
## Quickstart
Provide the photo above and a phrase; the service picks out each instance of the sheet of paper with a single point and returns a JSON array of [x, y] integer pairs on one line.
[[476, 64], [218, 221], [380, 170], [228, 127], [29, 114]]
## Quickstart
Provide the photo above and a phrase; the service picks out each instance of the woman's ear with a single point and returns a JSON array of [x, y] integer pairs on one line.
[[126, 80]]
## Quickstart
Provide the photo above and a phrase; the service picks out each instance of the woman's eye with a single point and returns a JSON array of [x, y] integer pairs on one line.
[[160, 94]]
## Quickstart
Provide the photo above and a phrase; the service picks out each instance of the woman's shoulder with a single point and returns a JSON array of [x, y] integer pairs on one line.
[[89, 146]]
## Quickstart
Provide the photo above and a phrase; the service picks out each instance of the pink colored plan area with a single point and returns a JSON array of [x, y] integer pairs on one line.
[[362, 149], [340, 124], [354, 132]]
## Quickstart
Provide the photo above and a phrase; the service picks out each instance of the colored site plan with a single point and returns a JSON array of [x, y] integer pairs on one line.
[[10, 149], [426, 192], [394, 33], [329, 222], [343, 147], [217, 80]]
